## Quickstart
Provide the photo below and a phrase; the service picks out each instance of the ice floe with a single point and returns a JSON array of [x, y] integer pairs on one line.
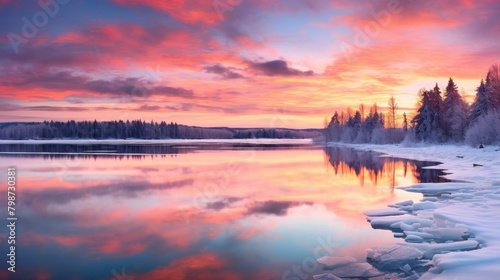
[[330, 263], [455, 227], [346, 267], [394, 257], [326, 276], [384, 212]]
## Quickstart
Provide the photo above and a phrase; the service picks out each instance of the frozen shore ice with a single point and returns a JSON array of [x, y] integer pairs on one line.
[[465, 232]]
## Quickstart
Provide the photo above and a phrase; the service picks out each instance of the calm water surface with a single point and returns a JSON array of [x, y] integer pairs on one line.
[[163, 212]]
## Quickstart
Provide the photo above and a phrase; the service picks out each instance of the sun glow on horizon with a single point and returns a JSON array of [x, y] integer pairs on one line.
[[257, 65]]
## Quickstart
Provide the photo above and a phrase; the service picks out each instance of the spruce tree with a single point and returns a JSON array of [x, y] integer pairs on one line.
[[454, 113], [480, 106]]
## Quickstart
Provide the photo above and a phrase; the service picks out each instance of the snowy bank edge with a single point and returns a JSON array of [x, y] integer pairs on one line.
[[459, 162], [259, 141]]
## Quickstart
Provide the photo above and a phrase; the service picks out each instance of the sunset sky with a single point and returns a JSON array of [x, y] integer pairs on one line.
[[240, 63]]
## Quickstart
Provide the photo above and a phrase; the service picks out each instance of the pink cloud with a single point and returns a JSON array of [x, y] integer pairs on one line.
[[188, 11]]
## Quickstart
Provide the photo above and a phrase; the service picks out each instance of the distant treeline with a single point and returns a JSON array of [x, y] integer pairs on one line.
[[437, 118], [139, 129]]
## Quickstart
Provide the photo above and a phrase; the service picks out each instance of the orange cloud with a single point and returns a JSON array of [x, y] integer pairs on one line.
[[211, 266], [188, 11], [424, 43]]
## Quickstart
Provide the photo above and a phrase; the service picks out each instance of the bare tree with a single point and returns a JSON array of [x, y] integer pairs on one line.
[[349, 113], [405, 122], [362, 111], [493, 86], [393, 107]]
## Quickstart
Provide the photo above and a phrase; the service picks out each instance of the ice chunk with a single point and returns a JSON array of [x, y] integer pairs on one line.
[[462, 196], [438, 189], [402, 203], [399, 235], [406, 208], [414, 239], [384, 212], [431, 249], [492, 196], [447, 234], [393, 257], [333, 262], [423, 235], [406, 268], [424, 205], [357, 270], [406, 227], [394, 222], [326, 276], [483, 192]]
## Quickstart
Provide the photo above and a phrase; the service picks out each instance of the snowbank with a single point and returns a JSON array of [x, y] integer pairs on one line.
[[465, 214], [260, 141]]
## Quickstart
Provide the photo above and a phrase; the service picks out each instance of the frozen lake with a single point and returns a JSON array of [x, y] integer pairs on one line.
[[172, 211]]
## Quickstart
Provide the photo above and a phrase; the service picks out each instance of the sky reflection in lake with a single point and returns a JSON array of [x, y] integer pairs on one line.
[[203, 214]]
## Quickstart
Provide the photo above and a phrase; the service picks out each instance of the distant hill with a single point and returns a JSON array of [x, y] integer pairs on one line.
[[139, 129]]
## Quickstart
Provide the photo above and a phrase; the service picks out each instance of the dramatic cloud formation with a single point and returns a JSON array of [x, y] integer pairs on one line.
[[225, 72], [223, 203], [246, 64], [277, 68], [271, 207], [119, 189], [117, 86]]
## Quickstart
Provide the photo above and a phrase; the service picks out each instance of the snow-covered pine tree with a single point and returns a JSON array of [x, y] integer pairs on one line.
[[405, 123], [480, 106], [436, 104], [426, 122], [355, 124], [435, 99], [493, 87], [454, 113], [334, 128]]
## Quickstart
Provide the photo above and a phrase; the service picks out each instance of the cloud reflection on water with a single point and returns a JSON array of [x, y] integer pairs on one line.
[[103, 213]]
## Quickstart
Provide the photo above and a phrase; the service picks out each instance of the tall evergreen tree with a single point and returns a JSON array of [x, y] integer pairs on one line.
[[393, 107], [493, 87], [436, 100], [405, 123], [333, 129], [335, 119], [454, 113], [426, 122], [480, 106]]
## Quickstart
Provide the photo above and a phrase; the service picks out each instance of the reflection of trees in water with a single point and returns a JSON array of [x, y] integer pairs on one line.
[[425, 175], [73, 151], [89, 156], [372, 165], [103, 148]]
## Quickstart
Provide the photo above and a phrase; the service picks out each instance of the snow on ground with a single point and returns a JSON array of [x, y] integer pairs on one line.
[[457, 225], [259, 141]]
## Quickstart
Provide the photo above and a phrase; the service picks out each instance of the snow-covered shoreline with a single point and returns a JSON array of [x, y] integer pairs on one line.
[[259, 141], [474, 204]]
